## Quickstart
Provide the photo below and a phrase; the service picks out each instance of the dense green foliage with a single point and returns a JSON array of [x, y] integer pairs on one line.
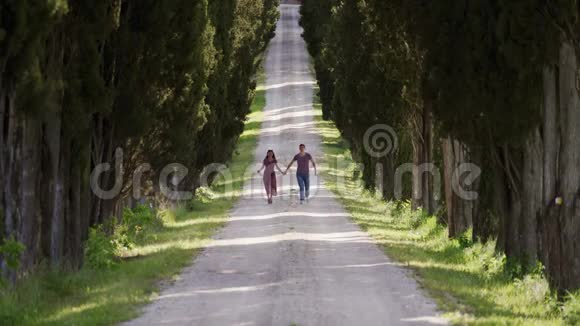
[[106, 242], [10, 251], [134, 85], [99, 249], [493, 83]]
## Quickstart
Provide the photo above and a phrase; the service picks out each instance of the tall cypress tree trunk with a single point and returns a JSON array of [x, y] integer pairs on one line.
[[55, 148], [532, 201], [66, 235], [508, 200], [417, 185], [29, 200], [96, 158], [549, 224], [460, 211], [423, 191], [102, 151], [2, 155], [10, 159], [107, 208], [85, 193], [519, 198], [388, 177], [569, 166], [58, 211], [75, 216], [560, 225], [550, 135], [428, 186], [501, 206]]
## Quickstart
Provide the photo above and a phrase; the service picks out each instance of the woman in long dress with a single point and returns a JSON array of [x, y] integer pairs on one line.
[[269, 165]]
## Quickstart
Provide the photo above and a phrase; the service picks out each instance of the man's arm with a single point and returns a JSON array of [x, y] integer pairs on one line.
[[313, 165], [289, 165]]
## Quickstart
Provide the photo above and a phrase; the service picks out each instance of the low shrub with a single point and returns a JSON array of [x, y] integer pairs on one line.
[[486, 259], [465, 239], [204, 195], [571, 309], [10, 251], [536, 289], [414, 218], [136, 224], [100, 249]]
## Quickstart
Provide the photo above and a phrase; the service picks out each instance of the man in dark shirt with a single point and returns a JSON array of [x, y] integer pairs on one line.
[[303, 172]]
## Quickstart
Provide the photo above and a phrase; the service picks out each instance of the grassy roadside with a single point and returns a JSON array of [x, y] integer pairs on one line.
[[89, 297], [468, 281]]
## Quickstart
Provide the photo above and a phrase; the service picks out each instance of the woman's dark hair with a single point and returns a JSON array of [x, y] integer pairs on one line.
[[273, 155]]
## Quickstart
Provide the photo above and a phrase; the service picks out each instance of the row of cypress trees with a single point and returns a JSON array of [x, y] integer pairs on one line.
[[165, 81], [490, 82]]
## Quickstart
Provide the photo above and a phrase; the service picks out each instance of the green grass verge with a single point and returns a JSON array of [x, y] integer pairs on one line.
[[89, 297], [468, 281]]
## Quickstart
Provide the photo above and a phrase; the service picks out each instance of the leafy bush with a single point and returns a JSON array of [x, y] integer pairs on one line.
[[517, 269], [204, 194], [571, 309], [100, 249], [167, 216], [417, 218], [465, 239], [414, 218], [535, 287], [486, 259], [123, 237], [135, 225], [10, 252]]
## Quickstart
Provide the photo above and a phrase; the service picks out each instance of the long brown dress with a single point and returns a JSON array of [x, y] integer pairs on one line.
[[270, 177]]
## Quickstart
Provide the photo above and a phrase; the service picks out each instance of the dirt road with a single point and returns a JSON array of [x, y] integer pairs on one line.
[[286, 263]]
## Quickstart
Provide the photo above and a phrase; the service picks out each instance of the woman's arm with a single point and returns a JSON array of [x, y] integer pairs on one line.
[[289, 165], [260, 170], [278, 167]]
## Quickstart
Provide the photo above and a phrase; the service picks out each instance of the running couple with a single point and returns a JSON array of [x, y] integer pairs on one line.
[[302, 174]]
